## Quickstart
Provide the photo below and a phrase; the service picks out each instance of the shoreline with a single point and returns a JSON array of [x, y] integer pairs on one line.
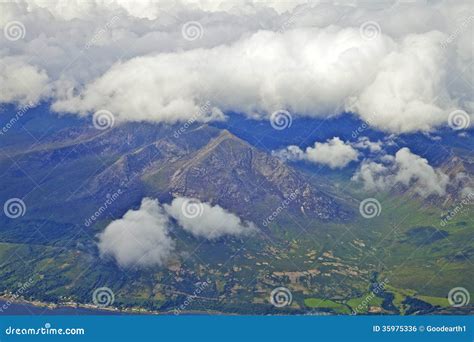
[[73, 305], [54, 306]]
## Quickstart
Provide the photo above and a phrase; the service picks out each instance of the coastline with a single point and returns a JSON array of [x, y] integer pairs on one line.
[[6, 302]]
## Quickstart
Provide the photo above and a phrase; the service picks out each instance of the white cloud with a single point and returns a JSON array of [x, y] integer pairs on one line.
[[204, 220], [20, 82], [256, 76], [365, 143], [334, 153], [253, 57], [405, 168], [140, 238], [372, 175], [409, 90]]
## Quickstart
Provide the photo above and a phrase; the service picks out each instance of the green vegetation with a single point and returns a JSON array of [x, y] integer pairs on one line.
[[362, 304], [326, 304], [434, 300]]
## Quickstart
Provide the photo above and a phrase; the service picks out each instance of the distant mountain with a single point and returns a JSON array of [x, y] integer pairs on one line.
[[460, 170], [225, 170], [79, 164], [230, 172]]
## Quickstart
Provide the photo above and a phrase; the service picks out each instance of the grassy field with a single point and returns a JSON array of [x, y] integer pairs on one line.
[[317, 303]]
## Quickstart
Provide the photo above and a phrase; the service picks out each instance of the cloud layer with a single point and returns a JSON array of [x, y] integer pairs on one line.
[[334, 153], [406, 169], [203, 220], [400, 66], [140, 238], [21, 82]]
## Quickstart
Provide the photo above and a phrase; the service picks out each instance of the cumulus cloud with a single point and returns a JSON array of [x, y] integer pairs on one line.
[[252, 58], [365, 143], [334, 153], [139, 238], [20, 82], [409, 90], [207, 221], [406, 169], [261, 73]]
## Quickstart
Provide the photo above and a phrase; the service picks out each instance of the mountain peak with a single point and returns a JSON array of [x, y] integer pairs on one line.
[[232, 173]]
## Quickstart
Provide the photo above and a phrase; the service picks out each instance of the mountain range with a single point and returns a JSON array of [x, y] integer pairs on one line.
[[318, 245]]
